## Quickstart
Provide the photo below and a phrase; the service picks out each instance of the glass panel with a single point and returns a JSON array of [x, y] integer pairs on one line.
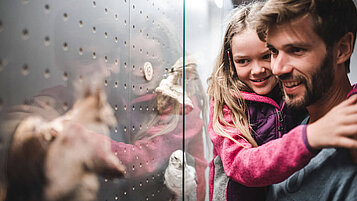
[[204, 34], [54, 53]]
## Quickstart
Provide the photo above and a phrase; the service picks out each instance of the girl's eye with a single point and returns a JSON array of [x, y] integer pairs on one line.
[[267, 57], [242, 61]]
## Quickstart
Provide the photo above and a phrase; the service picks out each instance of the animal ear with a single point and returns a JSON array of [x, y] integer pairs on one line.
[[99, 97]]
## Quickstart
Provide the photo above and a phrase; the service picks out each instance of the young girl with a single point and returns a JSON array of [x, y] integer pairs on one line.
[[247, 111]]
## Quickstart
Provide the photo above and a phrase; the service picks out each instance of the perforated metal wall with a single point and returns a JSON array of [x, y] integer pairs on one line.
[[47, 46]]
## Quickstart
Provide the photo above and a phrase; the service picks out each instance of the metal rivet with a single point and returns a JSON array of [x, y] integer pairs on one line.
[[148, 71]]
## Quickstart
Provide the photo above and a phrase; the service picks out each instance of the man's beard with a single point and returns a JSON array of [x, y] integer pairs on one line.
[[321, 82]]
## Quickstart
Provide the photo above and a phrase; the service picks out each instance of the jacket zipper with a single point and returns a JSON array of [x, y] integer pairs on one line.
[[280, 122]]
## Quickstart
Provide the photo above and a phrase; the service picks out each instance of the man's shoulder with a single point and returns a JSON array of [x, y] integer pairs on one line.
[[331, 174]]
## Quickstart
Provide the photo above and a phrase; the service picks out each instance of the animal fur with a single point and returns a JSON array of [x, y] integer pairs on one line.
[[60, 160]]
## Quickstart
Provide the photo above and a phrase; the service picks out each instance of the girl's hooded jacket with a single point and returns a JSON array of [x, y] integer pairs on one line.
[[235, 169]]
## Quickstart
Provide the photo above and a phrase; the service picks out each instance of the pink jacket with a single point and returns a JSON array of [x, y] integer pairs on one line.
[[261, 166]]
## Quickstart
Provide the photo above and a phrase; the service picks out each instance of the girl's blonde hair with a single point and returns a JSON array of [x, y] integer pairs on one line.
[[224, 86]]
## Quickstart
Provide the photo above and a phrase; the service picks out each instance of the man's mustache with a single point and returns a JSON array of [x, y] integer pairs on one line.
[[286, 76]]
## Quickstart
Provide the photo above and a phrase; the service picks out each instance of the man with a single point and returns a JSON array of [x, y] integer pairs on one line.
[[311, 43]]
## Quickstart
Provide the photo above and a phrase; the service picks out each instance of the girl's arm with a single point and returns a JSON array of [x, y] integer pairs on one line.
[[276, 160], [270, 163]]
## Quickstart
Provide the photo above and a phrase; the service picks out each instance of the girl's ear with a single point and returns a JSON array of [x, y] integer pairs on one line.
[[344, 48]]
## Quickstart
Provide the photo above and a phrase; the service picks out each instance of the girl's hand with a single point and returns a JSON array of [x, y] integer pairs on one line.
[[337, 128]]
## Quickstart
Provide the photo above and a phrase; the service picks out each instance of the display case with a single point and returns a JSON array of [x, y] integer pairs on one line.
[[137, 52]]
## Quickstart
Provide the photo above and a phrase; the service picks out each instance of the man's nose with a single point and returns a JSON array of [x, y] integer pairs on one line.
[[280, 64]]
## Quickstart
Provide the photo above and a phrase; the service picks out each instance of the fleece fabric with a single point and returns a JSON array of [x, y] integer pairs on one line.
[[235, 169]]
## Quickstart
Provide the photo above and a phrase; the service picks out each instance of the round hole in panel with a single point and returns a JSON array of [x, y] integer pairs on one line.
[[47, 41], [25, 34], [133, 188], [115, 107], [47, 74], [116, 84], [133, 110], [65, 16], [133, 26], [133, 128], [153, 4], [47, 8], [65, 76], [141, 50], [65, 46], [141, 12], [116, 197], [124, 22], [1, 65], [116, 16], [133, 46], [125, 65], [140, 108], [80, 51], [141, 31], [94, 4], [1, 26], [125, 43], [133, 6], [106, 59], [124, 1], [105, 35], [125, 109], [106, 10], [1, 105], [124, 129], [124, 85], [116, 62], [80, 23], [124, 193], [140, 184], [25, 70], [80, 78], [94, 29], [133, 69], [94, 55], [105, 83], [115, 130]]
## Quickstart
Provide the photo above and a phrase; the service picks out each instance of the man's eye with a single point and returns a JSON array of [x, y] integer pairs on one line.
[[297, 50]]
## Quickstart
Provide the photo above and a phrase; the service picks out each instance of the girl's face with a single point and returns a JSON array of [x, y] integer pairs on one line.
[[251, 59]]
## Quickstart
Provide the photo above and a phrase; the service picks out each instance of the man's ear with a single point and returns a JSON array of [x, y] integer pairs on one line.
[[344, 48]]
